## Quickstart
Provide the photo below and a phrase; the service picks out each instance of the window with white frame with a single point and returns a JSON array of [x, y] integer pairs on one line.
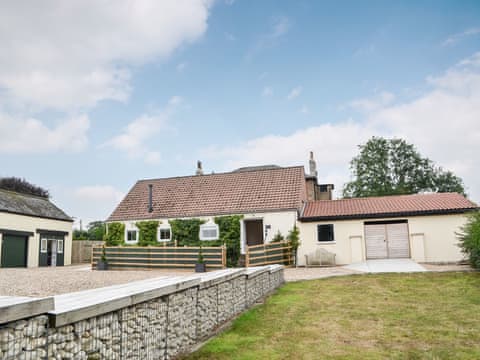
[[132, 236], [164, 233], [43, 245], [60, 246], [209, 231]]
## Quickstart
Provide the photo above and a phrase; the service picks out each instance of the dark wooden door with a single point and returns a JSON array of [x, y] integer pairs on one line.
[[14, 251], [254, 232]]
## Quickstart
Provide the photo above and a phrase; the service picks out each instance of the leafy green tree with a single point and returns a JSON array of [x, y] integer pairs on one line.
[[470, 239], [80, 234], [96, 230], [229, 228], [394, 167]]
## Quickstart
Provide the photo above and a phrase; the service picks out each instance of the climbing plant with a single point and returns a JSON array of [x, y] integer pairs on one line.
[[186, 231], [147, 232], [278, 237], [229, 227], [115, 235]]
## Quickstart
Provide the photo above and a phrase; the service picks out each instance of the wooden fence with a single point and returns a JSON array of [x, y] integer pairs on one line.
[[149, 257], [272, 253], [82, 250]]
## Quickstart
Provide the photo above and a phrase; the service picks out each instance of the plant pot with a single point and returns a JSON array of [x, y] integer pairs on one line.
[[200, 267], [102, 265]]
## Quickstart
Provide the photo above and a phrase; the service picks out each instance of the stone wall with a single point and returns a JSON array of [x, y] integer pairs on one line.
[[155, 318]]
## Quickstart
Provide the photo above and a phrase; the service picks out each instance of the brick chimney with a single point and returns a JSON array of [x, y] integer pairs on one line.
[[199, 168]]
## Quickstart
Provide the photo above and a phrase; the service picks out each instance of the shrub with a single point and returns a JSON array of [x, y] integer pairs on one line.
[[115, 235], [470, 239], [278, 237], [147, 232], [293, 238]]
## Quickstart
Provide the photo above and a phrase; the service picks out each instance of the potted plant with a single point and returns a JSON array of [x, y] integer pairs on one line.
[[102, 264], [200, 265]]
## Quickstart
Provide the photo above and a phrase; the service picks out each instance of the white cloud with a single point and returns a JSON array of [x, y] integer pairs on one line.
[[267, 91], [443, 123], [455, 38], [294, 93], [98, 193], [30, 135], [66, 55], [379, 100], [132, 140], [92, 202]]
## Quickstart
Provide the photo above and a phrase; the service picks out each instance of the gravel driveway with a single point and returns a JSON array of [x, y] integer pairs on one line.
[[47, 281]]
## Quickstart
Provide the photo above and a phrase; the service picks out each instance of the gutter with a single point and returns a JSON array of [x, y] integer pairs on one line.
[[385, 215]]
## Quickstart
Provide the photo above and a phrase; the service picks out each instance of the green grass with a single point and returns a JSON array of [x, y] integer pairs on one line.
[[389, 316]]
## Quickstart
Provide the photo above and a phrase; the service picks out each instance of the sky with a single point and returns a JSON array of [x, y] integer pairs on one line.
[[97, 95]]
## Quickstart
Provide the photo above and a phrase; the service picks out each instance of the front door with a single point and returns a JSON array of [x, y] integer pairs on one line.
[[51, 250], [254, 232], [14, 251]]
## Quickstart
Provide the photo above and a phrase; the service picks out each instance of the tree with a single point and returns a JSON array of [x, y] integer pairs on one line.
[[96, 230], [23, 186], [470, 239], [394, 167]]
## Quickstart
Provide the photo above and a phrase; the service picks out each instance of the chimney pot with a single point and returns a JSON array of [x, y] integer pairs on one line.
[[199, 168], [312, 165]]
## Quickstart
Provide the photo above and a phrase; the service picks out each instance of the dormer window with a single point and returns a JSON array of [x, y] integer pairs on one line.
[[209, 231]]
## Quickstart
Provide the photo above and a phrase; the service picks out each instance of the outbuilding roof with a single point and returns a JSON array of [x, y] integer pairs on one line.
[[30, 205], [387, 206], [237, 192]]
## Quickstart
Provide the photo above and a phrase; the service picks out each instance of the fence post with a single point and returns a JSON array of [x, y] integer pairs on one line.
[[247, 258], [91, 258], [224, 256]]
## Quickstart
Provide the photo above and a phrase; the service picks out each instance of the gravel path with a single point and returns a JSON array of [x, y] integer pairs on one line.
[[43, 281]]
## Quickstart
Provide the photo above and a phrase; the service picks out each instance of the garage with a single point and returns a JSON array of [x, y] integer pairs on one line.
[[387, 240], [14, 250]]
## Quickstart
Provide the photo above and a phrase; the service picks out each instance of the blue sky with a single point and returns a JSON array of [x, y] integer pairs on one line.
[[96, 96]]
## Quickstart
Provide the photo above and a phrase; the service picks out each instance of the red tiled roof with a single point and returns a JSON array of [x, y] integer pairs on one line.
[[215, 194], [385, 206]]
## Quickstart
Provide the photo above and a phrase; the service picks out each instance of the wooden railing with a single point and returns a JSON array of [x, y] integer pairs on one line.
[[271, 253], [152, 257]]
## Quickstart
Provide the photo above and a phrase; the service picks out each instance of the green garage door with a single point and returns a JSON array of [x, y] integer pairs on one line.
[[14, 251]]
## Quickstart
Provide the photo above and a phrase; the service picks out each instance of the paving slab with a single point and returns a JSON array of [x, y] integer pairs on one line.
[[387, 266]]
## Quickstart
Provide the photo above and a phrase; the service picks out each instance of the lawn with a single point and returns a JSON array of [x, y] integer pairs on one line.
[[388, 316]]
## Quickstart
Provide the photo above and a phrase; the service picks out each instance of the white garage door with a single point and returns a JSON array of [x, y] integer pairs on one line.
[[387, 240]]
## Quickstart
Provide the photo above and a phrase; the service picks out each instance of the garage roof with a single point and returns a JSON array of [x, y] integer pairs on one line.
[[387, 206], [237, 192], [30, 205]]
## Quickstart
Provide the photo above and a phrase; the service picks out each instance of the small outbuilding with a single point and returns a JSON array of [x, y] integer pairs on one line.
[[33, 231], [422, 227]]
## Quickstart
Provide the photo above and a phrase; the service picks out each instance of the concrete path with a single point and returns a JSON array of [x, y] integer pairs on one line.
[[387, 266]]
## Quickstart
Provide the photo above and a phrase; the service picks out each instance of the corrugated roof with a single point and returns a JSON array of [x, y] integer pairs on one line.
[[226, 193], [23, 204], [398, 205]]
